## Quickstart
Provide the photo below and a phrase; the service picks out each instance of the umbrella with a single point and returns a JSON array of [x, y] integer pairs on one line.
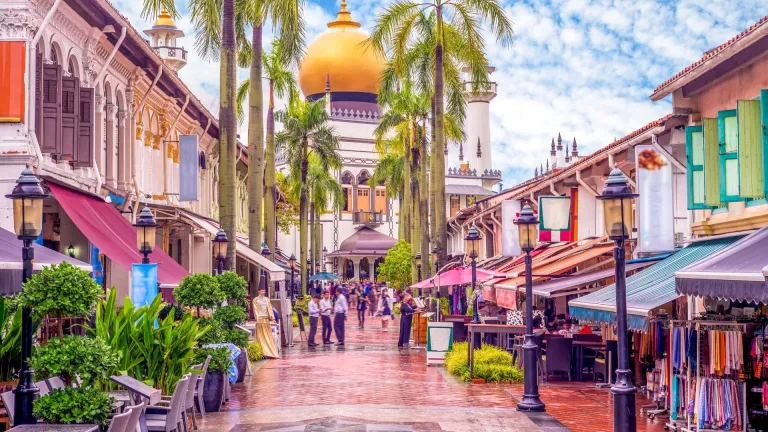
[[457, 276], [324, 276]]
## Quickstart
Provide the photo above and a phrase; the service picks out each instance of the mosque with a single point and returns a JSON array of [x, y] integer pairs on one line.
[[355, 239]]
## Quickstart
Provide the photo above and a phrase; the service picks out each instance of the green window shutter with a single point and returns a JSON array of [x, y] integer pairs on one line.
[[750, 149], [694, 149], [712, 168], [728, 126], [764, 122]]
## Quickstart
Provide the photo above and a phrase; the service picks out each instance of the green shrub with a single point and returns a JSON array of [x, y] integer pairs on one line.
[[396, 308], [237, 337], [168, 309], [199, 291], [230, 316], [445, 306], [491, 364], [255, 351], [215, 332], [303, 304], [295, 319], [220, 361], [234, 287], [10, 338], [61, 290], [74, 406], [92, 359]]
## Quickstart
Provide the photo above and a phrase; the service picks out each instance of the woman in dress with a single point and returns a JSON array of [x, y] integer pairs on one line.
[[262, 311], [406, 313]]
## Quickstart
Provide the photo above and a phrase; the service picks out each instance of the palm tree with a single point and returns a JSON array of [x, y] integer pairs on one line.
[[282, 83], [398, 25], [325, 194], [287, 21], [306, 132]]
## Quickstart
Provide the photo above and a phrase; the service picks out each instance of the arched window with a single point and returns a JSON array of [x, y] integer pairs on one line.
[[365, 269]]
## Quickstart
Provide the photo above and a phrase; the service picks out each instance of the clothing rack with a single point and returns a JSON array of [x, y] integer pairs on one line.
[[658, 407], [682, 423], [709, 326]]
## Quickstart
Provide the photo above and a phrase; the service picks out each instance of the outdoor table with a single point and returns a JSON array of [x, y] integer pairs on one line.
[[499, 329], [138, 388], [577, 365], [55, 428]]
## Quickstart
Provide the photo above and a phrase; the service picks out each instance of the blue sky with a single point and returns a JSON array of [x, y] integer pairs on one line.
[[583, 68]]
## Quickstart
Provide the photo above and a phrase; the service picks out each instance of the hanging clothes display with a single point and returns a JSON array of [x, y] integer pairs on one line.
[[719, 404]]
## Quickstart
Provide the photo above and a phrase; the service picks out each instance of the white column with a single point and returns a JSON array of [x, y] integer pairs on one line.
[[110, 110], [99, 129], [356, 265], [123, 154]]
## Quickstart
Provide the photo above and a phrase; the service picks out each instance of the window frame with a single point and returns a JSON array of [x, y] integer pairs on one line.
[[691, 168], [724, 157]]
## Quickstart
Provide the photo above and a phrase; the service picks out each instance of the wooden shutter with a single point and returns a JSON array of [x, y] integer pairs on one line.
[[750, 149], [39, 97], [712, 169], [764, 123], [694, 149], [728, 128], [70, 117], [83, 152], [51, 109]]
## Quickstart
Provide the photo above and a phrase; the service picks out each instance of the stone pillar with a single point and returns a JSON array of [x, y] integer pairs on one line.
[[110, 110], [146, 163], [130, 139], [157, 168], [356, 266], [371, 262]]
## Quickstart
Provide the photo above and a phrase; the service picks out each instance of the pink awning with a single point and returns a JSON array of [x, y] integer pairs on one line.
[[114, 235], [457, 276]]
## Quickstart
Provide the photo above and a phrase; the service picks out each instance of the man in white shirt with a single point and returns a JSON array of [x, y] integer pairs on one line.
[[340, 308], [326, 307], [314, 316]]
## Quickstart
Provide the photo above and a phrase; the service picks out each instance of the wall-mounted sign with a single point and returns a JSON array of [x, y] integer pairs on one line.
[[655, 218], [510, 245], [188, 165], [554, 218]]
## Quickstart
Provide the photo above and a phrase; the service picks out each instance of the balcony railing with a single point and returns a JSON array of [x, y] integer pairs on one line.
[[362, 217], [490, 87], [177, 53]]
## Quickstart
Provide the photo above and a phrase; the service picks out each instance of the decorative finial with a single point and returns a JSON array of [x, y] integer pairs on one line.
[[575, 152], [328, 83], [542, 169], [479, 153], [343, 18], [535, 172], [559, 142], [567, 157], [547, 165], [461, 151], [552, 151]]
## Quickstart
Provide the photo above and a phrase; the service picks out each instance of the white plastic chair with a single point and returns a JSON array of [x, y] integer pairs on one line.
[[200, 387], [136, 411], [9, 400], [119, 422], [161, 418]]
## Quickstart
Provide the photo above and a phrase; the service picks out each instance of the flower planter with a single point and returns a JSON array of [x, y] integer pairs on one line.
[[474, 381], [214, 391], [241, 363]]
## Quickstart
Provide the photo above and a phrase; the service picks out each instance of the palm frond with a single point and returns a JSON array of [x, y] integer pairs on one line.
[[241, 97]]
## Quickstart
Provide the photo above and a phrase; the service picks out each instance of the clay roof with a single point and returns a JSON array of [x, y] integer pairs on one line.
[[712, 53]]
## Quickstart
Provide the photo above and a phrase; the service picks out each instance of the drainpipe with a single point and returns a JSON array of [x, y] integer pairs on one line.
[[135, 163], [111, 56], [151, 87], [31, 82]]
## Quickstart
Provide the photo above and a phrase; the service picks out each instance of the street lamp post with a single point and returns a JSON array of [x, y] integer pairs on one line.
[[146, 228], [527, 226], [265, 252], [292, 261], [220, 243], [309, 273], [27, 196], [472, 248], [417, 259], [617, 211]]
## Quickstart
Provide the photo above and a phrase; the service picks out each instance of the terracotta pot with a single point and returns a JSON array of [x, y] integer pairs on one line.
[[213, 394], [241, 363]]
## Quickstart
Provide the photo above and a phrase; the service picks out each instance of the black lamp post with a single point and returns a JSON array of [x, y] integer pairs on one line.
[[145, 233], [220, 243], [472, 249], [617, 210], [292, 261], [417, 260], [27, 198], [527, 226], [265, 252]]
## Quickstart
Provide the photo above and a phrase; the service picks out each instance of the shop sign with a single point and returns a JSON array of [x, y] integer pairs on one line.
[[188, 165], [655, 219], [510, 245]]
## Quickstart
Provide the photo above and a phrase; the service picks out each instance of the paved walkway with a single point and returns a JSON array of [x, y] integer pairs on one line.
[[370, 385]]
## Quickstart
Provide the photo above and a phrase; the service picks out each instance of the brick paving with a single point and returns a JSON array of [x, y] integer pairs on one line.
[[371, 385]]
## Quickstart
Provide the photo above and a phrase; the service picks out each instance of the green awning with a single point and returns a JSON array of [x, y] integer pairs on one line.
[[647, 289]]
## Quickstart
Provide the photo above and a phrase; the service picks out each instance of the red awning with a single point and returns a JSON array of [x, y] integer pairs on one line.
[[114, 235]]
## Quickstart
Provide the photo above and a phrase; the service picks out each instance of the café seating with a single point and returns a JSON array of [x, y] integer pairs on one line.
[[558, 357], [119, 422], [10, 402], [136, 411], [189, 398], [200, 387], [602, 365], [168, 418]]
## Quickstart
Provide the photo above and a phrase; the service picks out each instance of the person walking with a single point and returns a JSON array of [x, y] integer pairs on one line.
[[362, 307], [314, 316], [385, 307], [326, 307], [406, 313], [340, 308]]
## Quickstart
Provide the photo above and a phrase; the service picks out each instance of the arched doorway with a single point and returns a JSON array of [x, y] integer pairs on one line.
[[376, 264], [365, 269], [349, 269]]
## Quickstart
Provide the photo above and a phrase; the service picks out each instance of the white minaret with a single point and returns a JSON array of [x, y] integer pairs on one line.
[[164, 34], [478, 125]]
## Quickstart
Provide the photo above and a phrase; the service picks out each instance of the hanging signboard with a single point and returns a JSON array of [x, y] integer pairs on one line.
[[554, 218], [188, 165], [143, 284], [655, 219], [510, 245]]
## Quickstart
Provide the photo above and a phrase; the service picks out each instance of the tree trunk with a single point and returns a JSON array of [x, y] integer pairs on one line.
[[439, 147], [401, 207], [255, 145], [432, 206], [405, 210], [416, 211], [426, 271], [312, 233], [270, 196], [317, 246], [228, 133], [303, 207]]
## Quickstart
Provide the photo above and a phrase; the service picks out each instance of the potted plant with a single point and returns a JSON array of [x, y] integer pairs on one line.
[[90, 359], [234, 287], [199, 291], [230, 317], [61, 290], [10, 343], [218, 370], [74, 405]]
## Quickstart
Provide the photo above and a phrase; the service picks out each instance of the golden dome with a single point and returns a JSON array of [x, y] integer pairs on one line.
[[164, 20], [339, 53]]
